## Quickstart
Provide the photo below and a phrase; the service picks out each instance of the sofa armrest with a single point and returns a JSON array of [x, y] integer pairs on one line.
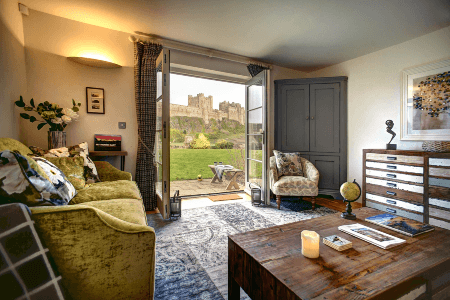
[[273, 171], [108, 172], [98, 255], [311, 172]]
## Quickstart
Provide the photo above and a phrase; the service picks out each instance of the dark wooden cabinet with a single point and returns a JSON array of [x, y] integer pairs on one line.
[[311, 118]]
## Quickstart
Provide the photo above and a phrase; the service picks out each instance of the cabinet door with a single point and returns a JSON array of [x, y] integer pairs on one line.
[[293, 117], [328, 167], [324, 101]]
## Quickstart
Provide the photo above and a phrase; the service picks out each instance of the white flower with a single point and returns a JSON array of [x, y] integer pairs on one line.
[[70, 113], [14, 181], [57, 121], [66, 119]]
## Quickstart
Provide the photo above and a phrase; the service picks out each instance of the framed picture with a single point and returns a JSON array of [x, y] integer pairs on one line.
[[95, 100], [425, 103]]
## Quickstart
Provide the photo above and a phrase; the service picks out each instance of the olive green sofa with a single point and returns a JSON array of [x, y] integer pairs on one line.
[[100, 242]]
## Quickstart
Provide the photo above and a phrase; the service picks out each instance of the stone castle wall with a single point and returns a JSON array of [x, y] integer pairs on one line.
[[202, 107]]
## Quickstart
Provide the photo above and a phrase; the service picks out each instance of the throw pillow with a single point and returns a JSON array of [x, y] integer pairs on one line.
[[288, 163], [90, 171], [57, 177], [72, 167], [20, 183]]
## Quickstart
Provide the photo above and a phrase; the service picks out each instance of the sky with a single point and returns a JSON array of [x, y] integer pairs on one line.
[[182, 86]]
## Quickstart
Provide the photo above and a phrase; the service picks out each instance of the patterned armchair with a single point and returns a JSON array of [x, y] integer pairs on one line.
[[295, 185]]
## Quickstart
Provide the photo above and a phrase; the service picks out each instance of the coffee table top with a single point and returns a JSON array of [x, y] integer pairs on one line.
[[360, 272]]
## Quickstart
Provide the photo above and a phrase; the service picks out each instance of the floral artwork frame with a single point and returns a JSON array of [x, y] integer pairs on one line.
[[95, 100], [416, 124]]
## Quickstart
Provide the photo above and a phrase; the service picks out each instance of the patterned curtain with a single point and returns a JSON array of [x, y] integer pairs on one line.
[[145, 55], [255, 69]]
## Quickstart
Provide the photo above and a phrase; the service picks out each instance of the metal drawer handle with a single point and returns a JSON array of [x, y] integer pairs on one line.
[[391, 193], [392, 158], [391, 210], [391, 202], [391, 184], [392, 167], [391, 175]]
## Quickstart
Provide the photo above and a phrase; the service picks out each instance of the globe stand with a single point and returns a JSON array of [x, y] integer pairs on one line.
[[348, 214]]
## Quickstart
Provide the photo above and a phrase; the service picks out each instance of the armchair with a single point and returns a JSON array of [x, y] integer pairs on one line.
[[294, 185]]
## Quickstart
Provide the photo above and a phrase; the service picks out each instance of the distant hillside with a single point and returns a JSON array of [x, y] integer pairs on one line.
[[194, 125]]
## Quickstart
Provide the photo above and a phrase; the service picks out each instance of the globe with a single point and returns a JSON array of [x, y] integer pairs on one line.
[[350, 191]]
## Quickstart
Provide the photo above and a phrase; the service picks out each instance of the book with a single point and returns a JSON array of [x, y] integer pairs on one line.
[[107, 142], [399, 224], [375, 237], [337, 243]]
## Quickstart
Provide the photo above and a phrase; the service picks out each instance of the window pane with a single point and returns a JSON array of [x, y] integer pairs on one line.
[[255, 93], [159, 81], [255, 121], [255, 172], [158, 147], [255, 146], [159, 115], [158, 184]]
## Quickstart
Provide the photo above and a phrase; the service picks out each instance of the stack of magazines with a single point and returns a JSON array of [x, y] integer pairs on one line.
[[403, 225], [378, 238], [337, 243]]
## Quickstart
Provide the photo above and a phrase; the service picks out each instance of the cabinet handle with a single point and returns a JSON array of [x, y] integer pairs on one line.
[[391, 210], [392, 167], [391, 193], [391, 175], [392, 158], [391, 184], [391, 202], [312, 118], [307, 117]]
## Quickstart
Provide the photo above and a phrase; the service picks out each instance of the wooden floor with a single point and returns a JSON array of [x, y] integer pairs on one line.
[[338, 205]]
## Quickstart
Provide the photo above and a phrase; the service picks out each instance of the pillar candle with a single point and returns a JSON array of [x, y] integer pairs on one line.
[[310, 244]]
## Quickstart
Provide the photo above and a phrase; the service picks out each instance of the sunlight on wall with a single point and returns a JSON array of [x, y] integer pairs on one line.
[[94, 54]]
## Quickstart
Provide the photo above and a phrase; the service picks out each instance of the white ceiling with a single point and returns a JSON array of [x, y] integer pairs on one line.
[[298, 34]]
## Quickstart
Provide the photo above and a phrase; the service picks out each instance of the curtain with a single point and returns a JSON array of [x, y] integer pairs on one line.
[[145, 55], [255, 69]]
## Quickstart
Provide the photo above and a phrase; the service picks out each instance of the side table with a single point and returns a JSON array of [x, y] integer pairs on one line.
[[122, 155]]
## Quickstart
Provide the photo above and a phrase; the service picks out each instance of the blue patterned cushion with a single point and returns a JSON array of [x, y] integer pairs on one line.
[[57, 177], [288, 164], [20, 183]]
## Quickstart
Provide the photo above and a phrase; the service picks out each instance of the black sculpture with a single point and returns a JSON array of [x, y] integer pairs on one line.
[[390, 125]]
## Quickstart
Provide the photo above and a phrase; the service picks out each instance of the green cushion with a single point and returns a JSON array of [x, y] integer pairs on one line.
[[72, 167], [129, 210], [13, 145], [120, 189]]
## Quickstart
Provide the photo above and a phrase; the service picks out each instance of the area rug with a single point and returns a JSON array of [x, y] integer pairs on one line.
[[191, 253], [224, 197]]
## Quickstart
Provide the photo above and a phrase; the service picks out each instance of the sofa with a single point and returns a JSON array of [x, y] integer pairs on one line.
[[100, 242]]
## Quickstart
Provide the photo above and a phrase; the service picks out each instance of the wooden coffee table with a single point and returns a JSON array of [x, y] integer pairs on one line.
[[268, 264]]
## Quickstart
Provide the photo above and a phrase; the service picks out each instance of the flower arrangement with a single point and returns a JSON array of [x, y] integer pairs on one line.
[[53, 115]]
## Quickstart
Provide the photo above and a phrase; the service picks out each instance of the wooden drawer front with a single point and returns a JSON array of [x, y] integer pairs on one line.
[[395, 211], [388, 175], [389, 192], [394, 167], [439, 192], [439, 182], [439, 202], [439, 213], [396, 185], [395, 158], [440, 223], [440, 172], [395, 202], [415, 293], [443, 162]]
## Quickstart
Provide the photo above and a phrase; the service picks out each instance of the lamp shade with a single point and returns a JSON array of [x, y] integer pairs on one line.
[[92, 62]]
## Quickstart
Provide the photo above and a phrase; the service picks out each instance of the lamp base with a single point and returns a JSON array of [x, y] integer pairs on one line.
[[391, 146], [348, 216]]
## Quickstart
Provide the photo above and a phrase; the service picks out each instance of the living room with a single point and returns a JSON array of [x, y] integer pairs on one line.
[[371, 47]]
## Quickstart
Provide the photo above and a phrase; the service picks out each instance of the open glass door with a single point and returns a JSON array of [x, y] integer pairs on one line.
[[255, 134], [162, 139]]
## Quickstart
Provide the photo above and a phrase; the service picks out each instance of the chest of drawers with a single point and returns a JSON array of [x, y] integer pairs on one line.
[[412, 184]]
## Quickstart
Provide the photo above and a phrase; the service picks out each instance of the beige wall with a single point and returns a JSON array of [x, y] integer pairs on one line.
[[374, 84], [12, 67]]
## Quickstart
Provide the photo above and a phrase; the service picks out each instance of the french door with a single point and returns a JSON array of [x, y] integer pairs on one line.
[[162, 140], [256, 95]]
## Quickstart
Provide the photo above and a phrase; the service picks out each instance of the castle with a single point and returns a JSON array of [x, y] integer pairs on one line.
[[202, 107]]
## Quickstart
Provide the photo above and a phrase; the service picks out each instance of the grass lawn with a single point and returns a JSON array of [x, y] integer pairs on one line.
[[188, 163]]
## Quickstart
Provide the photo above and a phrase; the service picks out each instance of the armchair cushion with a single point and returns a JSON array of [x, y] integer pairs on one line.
[[120, 189], [288, 163], [295, 186]]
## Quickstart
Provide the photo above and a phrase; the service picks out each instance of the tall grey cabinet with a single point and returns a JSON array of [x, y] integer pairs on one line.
[[311, 118]]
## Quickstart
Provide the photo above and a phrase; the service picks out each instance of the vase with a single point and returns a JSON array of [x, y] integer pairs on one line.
[[56, 139]]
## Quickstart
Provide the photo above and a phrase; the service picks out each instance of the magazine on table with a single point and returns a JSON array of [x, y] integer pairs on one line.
[[378, 238], [403, 225]]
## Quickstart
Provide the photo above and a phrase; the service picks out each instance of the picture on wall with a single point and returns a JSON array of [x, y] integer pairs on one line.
[[95, 100], [426, 102]]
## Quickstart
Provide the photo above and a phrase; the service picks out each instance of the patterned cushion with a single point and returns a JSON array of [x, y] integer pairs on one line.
[[72, 167], [27, 269], [295, 186], [288, 164], [20, 183], [57, 177], [90, 171]]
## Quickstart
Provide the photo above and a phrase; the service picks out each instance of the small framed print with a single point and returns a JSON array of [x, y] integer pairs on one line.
[[95, 100]]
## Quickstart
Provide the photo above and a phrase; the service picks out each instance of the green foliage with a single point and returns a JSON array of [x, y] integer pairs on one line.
[[223, 144], [176, 136], [200, 143]]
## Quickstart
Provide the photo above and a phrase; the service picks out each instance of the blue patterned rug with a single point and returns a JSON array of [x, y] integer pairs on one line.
[[191, 253]]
